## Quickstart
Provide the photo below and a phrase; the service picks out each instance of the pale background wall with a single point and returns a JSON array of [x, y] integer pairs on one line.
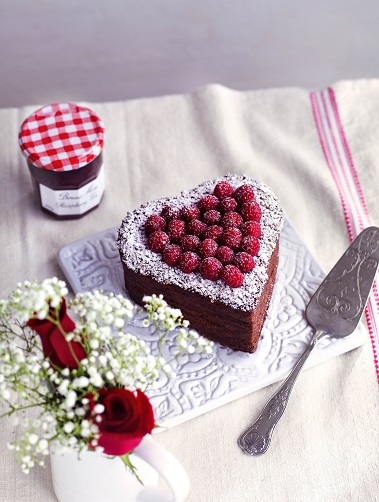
[[102, 50]]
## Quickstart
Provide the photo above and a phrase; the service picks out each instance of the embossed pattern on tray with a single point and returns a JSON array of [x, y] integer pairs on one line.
[[203, 383]]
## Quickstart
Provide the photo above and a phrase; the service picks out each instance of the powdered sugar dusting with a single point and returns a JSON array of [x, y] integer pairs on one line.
[[132, 244]]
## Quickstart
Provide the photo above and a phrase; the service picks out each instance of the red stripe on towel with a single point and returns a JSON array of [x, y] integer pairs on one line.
[[340, 162]]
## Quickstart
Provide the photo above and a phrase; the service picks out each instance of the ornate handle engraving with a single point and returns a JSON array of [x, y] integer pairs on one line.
[[348, 285], [256, 439]]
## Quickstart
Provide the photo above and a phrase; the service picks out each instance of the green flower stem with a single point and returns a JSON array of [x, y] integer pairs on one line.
[[6, 329], [14, 409], [128, 464]]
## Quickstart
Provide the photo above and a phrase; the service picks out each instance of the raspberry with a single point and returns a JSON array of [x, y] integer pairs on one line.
[[196, 227], [251, 211], [211, 217], [231, 219], [232, 276], [189, 242], [250, 244], [251, 228], [214, 232], [176, 229], [171, 254], [208, 248], [170, 213], [244, 194], [189, 262], [207, 202], [223, 189], [231, 237], [225, 255], [154, 223], [189, 213], [227, 204], [158, 241], [244, 261], [210, 268]]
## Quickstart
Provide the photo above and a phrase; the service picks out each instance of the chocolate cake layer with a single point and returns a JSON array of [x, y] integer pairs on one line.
[[231, 327], [232, 316]]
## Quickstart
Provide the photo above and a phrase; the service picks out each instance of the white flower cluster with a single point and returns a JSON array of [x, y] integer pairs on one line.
[[113, 358], [158, 311], [33, 299], [167, 319], [18, 371], [96, 309], [32, 447]]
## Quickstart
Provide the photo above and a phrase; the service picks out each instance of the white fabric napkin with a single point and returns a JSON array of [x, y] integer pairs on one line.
[[325, 447]]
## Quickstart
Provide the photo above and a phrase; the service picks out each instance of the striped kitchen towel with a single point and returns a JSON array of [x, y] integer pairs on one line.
[[340, 161]]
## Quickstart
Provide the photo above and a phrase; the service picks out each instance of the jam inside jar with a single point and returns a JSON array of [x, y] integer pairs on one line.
[[63, 146]]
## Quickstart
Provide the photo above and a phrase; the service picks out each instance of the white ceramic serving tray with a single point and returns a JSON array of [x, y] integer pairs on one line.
[[203, 383]]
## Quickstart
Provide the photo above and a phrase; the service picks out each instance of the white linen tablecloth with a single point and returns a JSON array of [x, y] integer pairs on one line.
[[326, 446]]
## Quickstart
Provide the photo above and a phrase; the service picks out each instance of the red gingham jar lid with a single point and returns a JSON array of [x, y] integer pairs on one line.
[[62, 137]]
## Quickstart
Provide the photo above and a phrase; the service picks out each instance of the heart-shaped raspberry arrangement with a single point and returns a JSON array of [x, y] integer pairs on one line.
[[217, 237]]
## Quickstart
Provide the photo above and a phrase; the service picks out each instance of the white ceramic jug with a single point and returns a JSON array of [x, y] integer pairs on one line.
[[94, 477]]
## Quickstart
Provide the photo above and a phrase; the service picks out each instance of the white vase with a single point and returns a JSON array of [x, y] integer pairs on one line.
[[95, 477]]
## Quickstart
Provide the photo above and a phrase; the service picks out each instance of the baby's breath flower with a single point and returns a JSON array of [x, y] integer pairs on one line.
[[43, 446], [113, 358], [33, 438], [80, 412], [99, 408], [72, 441], [68, 427]]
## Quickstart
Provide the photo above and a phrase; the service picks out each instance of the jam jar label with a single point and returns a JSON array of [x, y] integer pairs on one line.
[[73, 202]]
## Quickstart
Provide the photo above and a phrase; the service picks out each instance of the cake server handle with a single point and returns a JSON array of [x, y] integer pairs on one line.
[[257, 438]]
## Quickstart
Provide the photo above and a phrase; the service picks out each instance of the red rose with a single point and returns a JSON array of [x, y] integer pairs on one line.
[[127, 418], [54, 344]]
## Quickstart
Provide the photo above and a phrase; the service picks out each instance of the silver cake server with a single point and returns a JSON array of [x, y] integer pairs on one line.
[[334, 310]]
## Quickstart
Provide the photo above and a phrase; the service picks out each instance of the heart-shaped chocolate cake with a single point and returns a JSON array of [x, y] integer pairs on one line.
[[212, 252]]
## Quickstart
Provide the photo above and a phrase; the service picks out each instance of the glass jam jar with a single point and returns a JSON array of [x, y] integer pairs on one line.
[[63, 145]]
